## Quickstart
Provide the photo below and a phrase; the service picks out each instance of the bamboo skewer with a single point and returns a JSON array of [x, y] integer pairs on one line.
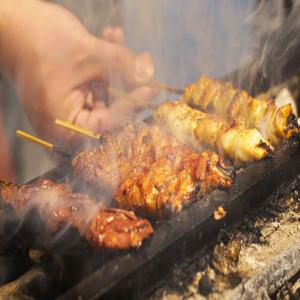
[[33, 139], [48, 146], [167, 87], [119, 93], [77, 129], [89, 133]]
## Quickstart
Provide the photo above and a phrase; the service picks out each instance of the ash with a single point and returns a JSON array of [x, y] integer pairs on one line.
[[258, 258]]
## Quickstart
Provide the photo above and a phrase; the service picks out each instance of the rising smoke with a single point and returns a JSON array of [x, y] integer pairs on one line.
[[190, 38]]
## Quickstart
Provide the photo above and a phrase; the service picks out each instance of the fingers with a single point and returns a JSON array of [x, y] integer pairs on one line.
[[7, 170], [115, 63], [114, 35], [101, 118], [143, 95], [96, 116]]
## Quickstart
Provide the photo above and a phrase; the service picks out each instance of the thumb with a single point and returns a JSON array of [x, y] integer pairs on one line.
[[113, 62]]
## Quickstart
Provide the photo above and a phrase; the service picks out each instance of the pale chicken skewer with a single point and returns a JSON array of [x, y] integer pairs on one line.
[[276, 124], [198, 129]]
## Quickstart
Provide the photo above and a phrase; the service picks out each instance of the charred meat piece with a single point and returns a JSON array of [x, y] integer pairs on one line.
[[156, 173], [118, 229], [171, 182], [27, 197], [59, 207], [105, 162], [276, 124], [198, 129]]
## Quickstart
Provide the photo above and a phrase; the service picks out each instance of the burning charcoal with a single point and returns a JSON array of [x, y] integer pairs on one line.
[[226, 257], [212, 282], [12, 265], [286, 292], [34, 284], [219, 213], [206, 282]]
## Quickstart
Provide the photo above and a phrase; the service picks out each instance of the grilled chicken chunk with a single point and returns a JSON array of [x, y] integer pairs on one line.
[[151, 171], [59, 207], [276, 124], [200, 130]]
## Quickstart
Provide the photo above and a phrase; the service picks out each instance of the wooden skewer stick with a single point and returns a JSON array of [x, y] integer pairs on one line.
[[33, 139], [48, 146], [92, 134], [167, 87], [119, 93], [77, 129]]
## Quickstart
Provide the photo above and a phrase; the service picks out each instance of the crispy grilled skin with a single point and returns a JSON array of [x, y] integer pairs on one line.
[[59, 207], [276, 124], [199, 129], [118, 229], [159, 174]]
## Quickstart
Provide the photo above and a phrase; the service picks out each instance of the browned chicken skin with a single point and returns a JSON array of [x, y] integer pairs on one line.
[[151, 171], [198, 129], [59, 207], [276, 124]]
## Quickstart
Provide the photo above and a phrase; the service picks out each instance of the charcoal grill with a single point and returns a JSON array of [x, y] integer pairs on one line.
[[113, 274], [122, 274], [125, 273]]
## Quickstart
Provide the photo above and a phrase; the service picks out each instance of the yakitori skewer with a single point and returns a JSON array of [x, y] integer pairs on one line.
[[77, 129], [198, 129], [119, 93], [138, 101], [89, 133], [167, 87], [58, 208], [276, 124], [81, 130], [48, 146]]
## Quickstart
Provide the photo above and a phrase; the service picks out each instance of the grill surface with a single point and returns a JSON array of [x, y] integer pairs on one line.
[[115, 274]]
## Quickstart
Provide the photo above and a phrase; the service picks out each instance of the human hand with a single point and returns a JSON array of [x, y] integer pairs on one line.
[[7, 168], [56, 65]]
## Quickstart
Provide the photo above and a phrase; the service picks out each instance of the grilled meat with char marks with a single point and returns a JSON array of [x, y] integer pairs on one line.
[[118, 229], [59, 207], [276, 124], [156, 174]]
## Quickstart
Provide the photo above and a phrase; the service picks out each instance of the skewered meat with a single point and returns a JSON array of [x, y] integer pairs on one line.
[[199, 129], [151, 171], [276, 124], [118, 229], [59, 207]]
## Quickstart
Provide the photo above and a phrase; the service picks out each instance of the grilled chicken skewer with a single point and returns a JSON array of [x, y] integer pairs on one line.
[[276, 124], [199, 129], [151, 172], [58, 207]]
